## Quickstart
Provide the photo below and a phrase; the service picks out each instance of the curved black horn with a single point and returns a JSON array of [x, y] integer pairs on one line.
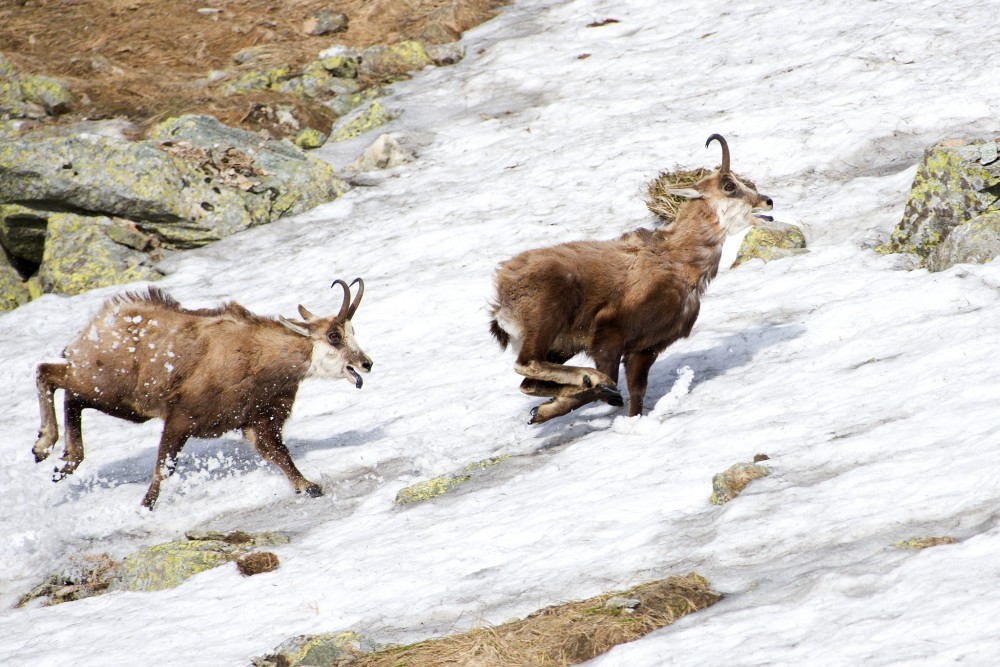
[[347, 298], [357, 297], [724, 169]]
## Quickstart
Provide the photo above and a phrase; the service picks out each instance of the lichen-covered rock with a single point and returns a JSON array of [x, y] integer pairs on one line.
[[974, 242], [310, 138], [324, 22], [22, 232], [361, 120], [168, 565], [730, 483], [923, 542], [292, 181], [133, 180], [25, 95], [438, 486], [770, 240], [393, 60], [13, 290], [80, 255], [325, 650], [955, 182]]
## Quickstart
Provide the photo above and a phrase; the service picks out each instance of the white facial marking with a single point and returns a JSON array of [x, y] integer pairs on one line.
[[733, 212]]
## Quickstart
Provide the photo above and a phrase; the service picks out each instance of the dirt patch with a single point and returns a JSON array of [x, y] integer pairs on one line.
[[151, 59]]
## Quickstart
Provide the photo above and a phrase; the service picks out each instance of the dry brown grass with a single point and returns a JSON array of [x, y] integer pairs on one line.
[[566, 634], [139, 59], [665, 205]]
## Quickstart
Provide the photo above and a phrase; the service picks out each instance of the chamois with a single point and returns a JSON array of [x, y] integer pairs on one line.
[[625, 299], [203, 372]]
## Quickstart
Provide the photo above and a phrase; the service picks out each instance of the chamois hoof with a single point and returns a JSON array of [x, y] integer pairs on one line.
[[39, 457], [58, 474], [610, 395], [314, 491]]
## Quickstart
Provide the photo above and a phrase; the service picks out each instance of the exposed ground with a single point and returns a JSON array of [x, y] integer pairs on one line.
[[148, 60]]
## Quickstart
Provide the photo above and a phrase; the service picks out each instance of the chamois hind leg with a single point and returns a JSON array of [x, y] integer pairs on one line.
[[266, 439], [171, 442], [73, 407], [637, 367], [48, 378]]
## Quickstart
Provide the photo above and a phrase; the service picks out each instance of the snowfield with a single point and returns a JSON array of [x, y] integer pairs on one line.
[[874, 390]]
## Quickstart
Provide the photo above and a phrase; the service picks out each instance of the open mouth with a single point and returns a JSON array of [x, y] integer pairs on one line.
[[765, 218], [354, 375]]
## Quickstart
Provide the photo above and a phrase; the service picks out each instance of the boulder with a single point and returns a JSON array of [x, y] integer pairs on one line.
[[82, 254], [770, 240], [974, 242], [329, 649], [388, 62], [730, 483], [24, 95], [438, 486], [359, 121], [384, 153], [13, 290], [289, 181], [955, 182]]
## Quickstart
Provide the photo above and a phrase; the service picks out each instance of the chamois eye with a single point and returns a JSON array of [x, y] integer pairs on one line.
[[729, 186], [334, 338]]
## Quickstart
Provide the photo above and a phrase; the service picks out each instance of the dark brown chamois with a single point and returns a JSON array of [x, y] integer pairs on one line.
[[617, 300], [203, 372]]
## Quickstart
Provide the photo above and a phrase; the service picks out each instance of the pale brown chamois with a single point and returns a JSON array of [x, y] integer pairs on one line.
[[617, 300], [203, 372]]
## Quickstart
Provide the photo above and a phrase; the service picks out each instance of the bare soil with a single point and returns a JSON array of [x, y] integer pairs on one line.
[[143, 59]]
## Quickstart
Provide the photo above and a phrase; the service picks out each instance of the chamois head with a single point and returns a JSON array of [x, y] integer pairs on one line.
[[336, 354], [734, 203]]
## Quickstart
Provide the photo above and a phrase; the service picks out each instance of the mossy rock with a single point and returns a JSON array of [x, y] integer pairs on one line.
[[310, 138], [80, 255], [438, 486], [955, 182], [730, 483], [974, 242], [770, 240], [52, 94]]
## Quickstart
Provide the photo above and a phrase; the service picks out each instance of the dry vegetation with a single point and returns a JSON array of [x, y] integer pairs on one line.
[[143, 59], [561, 635]]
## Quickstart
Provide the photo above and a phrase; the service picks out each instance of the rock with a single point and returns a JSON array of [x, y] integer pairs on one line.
[[384, 153], [438, 486], [13, 290], [955, 182], [388, 62], [134, 180], [292, 182], [197, 181], [359, 121], [30, 96], [770, 240], [324, 22], [80, 255], [729, 484], [445, 54], [974, 242], [310, 138], [325, 650], [342, 62], [923, 542]]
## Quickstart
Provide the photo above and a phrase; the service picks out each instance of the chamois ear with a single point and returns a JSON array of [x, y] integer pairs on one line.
[[687, 193], [306, 315], [292, 326]]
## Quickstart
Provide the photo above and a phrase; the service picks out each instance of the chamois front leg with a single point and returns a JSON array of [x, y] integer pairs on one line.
[[266, 439], [637, 367], [47, 378]]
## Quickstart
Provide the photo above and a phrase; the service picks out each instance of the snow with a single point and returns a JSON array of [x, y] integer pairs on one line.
[[873, 389]]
